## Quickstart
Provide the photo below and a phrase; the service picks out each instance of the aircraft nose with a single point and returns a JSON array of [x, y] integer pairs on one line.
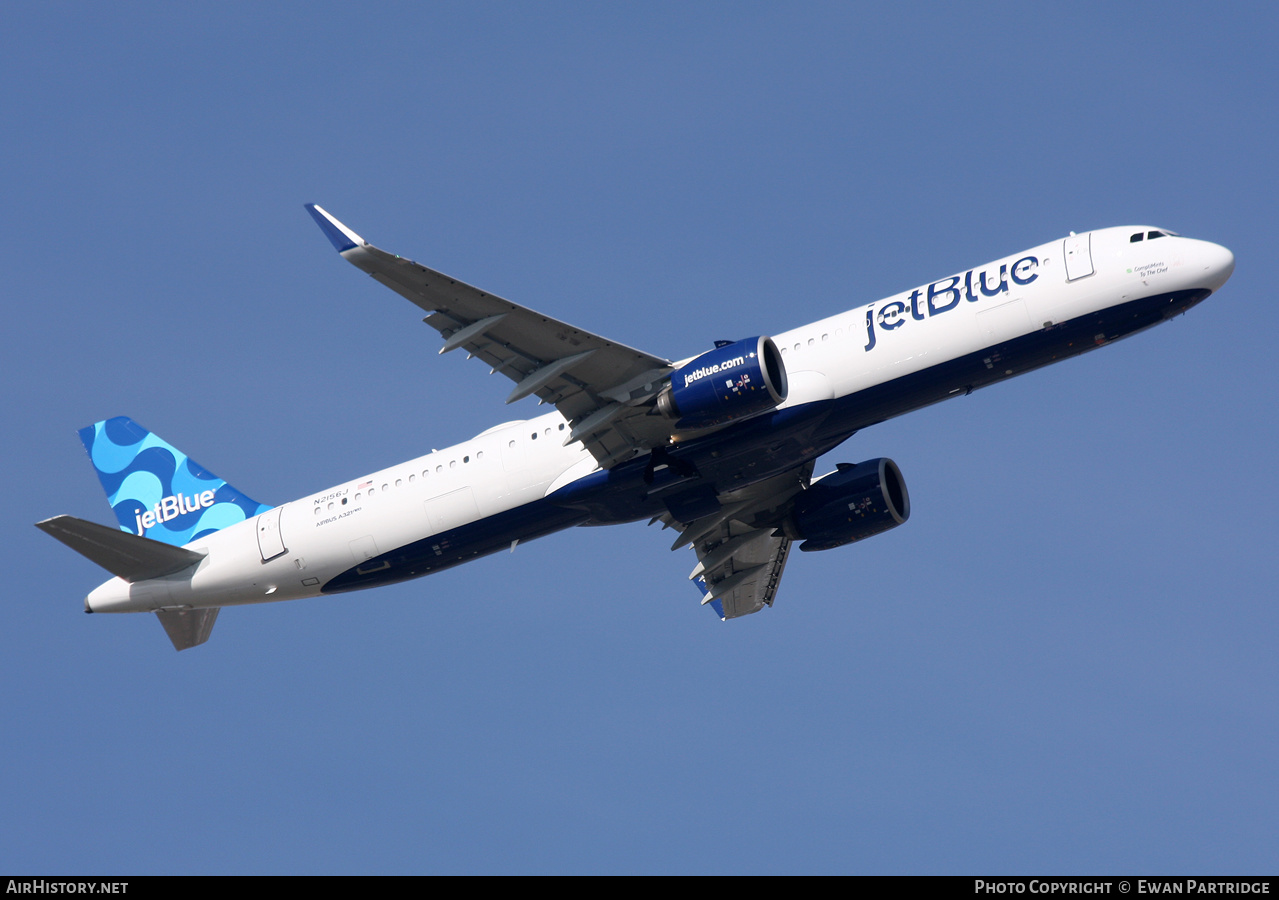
[[1218, 264]]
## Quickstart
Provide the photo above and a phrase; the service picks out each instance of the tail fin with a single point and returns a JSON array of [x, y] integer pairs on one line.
[[156, 490]]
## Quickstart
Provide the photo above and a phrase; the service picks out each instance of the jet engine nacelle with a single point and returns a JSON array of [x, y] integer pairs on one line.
[[733, 381], [850, 504]]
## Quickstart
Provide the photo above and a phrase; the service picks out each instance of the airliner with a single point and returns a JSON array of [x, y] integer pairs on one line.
[[720, 448]]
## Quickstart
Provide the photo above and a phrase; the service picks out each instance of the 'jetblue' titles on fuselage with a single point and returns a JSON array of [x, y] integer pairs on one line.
[[943, 296]]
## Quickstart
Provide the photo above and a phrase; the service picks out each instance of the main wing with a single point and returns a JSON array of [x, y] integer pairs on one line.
[[740, 551], [602, 387]]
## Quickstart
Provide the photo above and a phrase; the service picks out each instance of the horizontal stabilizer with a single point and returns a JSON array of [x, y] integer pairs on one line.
[[188, 627], [130, 557]]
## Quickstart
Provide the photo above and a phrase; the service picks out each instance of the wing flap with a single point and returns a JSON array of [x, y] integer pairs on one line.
[[747, 581]]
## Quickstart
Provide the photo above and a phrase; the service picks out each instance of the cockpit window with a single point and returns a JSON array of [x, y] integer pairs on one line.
[[1155, 234], [1136, 237]]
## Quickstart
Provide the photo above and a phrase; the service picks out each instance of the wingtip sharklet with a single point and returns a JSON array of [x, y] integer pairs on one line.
[[341, 237], [708, 599]]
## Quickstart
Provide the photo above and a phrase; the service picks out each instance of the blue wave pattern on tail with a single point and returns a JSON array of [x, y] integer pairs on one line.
[[156, 490]]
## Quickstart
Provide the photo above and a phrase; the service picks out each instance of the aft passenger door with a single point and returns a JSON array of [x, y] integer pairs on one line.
[[270, 542]]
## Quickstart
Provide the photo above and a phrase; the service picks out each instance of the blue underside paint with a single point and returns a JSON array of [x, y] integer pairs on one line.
[[761, 447], [458, 545]]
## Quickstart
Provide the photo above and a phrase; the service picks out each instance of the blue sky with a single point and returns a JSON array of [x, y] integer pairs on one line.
[[1063, 663]]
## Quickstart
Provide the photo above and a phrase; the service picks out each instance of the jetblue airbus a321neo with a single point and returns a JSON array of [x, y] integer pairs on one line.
[[720, 447]]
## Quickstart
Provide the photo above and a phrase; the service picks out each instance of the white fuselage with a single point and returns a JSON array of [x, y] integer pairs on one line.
[[294, 550]]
